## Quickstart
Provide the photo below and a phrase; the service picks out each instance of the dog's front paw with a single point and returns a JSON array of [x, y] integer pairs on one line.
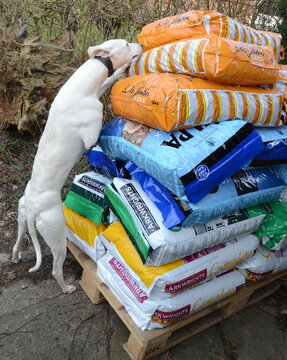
[[16, 257], [69, 289]]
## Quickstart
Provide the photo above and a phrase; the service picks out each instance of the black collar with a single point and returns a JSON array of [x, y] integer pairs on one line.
[[108, 64]]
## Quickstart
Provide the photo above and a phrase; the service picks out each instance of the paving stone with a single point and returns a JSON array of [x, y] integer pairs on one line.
[[206, 345], [255, 334], [38, 321]]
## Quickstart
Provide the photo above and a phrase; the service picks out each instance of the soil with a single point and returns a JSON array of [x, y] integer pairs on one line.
[[17, 153]]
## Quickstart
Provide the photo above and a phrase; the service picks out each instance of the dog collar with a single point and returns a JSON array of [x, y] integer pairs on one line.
[[108, 64]]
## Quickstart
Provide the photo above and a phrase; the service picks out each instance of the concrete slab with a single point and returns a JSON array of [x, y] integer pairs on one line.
[[38, 321], [204, 346], [255, 334]]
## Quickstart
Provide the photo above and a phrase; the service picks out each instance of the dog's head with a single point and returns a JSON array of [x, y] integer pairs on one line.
[[119, 51]]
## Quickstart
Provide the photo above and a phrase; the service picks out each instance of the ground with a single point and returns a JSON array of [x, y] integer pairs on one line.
[[37, 321]]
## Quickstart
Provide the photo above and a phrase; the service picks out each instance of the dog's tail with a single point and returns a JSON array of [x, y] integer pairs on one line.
[[33, 234]]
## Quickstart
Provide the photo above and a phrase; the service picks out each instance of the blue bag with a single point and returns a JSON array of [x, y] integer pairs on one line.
[[103, 164], [281, 171], [275, 143], [188, 162], [243, 189], [172, 214]]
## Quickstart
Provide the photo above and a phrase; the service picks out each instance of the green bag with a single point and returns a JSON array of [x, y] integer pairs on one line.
[[273, 231], [87, 197]]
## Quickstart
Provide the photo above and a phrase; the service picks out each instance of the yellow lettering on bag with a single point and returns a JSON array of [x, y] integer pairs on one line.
[[194, 306], [265, 256], [229, 264], [222, 295]]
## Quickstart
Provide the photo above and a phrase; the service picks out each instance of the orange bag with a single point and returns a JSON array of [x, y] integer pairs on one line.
[[213, 58], [281, 84], [173, 101], [197, 23]]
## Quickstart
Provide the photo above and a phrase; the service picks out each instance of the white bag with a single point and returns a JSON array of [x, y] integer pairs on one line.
[[264, 263], [160, 282], [149, 314], [155, 243]]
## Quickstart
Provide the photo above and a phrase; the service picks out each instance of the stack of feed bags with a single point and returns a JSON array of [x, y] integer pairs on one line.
[[221, 54], [156, 296], [186, 185], [196, 182]]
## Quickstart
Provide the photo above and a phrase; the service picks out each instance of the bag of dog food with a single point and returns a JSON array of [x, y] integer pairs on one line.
[[273, 231], [103, 164], [197, 23], [167, 280], [243, 189], [275, 143], [158, 245], [84, 233], [87, 197], [281, 171], [281, 84], [189, 162], [172, 209], [264, 263], [211, 57], [175, 101], [149, 314]]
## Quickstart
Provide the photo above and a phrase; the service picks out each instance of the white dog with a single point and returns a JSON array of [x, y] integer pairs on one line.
[[73, 126]]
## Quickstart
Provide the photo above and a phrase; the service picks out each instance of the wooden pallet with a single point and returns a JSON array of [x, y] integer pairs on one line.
[[148, 344]]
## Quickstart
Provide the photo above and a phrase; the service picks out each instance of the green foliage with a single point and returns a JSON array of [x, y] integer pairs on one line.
[[282, 10], [81, 22]]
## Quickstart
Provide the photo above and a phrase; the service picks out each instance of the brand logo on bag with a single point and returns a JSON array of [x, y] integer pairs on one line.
[[177, 19], [176, 140], [216, 268], [140, 208], [186, 283], [250, 53], [200, 304], [92, 184], [257, 276], [202, 172], [167, 317], [128, 280], [139, 93]]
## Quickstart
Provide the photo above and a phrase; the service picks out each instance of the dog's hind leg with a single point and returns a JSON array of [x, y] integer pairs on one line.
[[59, 254], [51, 225], [22, 228]]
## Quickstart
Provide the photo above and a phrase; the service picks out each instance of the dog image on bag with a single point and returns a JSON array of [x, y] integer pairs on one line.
[[73, 126]]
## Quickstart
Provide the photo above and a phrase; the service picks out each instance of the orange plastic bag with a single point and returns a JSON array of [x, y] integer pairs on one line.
[[213, 58], [197, 23], [281, 84], [173, 101]]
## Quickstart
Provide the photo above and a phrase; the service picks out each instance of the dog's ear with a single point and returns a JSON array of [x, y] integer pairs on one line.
[[98, 51]]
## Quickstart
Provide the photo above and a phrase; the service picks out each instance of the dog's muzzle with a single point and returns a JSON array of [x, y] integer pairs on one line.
[[108, 64]]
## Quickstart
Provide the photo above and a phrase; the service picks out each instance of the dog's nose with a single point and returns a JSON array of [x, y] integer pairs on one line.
[[141, 45]]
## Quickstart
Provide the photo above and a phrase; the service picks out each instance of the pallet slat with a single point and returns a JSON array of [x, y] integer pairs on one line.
[[148, 344]]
